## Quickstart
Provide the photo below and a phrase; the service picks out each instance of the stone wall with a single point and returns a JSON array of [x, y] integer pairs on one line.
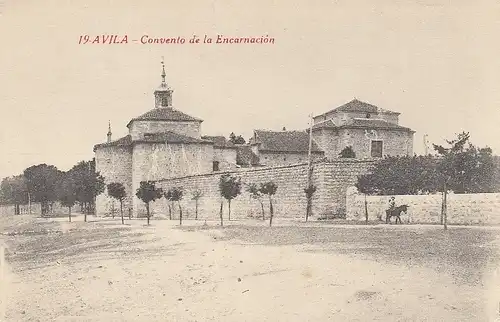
[[159, 161], [331, 178], [226, 158], [328, 141], [273, 159], [462, 208], [394, 142], [115, 164], [138, 128]]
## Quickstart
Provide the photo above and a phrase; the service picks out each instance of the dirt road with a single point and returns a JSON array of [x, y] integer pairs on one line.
[[106, 272]]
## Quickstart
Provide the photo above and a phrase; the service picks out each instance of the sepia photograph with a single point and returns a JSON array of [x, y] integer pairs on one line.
[[325, 160]]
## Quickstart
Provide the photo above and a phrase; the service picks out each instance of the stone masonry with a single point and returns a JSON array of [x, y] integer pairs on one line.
[[332, 179], [463, 209]]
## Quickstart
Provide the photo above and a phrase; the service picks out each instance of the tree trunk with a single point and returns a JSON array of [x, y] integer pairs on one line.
[[308, 208], [29, 203], [220, 213], [169, 211], [366, 210], [147, 212], [85, 212], [121, 210], [229, 208], [262, 209], [271, 211], [445, 207], [129, 213], [196, 210], [180, 214], [442, 206], [69, 213]]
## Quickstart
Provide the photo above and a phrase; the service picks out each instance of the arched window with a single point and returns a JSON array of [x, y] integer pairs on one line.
[[164, 101]]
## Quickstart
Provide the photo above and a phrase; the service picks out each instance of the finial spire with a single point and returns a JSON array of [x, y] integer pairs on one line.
[[109, 131], [163, 74], [163, 94]]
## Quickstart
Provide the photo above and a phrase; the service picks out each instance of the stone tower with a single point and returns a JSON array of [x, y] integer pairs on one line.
[[163, 94]]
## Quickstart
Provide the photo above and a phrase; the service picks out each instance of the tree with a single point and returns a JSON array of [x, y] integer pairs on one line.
[[309, 191], [196, 196], [269, 189], [89, 184], [347, 152], [66, 192], [13, 190], [255, 193], [170, 202], [401, 175], [365, 186], [116, 190], [470, 169], [176, 194], [229, 188], [148, 192], [236, 139], [41, 181], [454, 169]]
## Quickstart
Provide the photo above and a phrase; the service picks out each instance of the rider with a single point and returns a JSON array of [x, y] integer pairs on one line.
[[392, 203]]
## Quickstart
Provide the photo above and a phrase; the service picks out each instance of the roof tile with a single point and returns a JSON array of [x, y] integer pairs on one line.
[[372, 123], [165, 114], [285, 141], [358, 106], [219, 141]]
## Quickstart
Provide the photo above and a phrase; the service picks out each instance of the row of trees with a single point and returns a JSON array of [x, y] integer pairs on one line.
[[229, 188], [460, 167], [45, 184]]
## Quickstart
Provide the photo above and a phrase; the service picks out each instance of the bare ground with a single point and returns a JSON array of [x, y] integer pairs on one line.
[[103, 271]]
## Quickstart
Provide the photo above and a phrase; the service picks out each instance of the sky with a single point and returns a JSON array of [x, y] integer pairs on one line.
[[434, 61]]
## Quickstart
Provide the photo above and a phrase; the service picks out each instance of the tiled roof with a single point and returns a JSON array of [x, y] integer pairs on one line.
[[168, 137], [372, 124], [171, 137], [324, 125], [245, 156], [165, 114], [124, 141], [285, 141], [358, 106], [219, 142]]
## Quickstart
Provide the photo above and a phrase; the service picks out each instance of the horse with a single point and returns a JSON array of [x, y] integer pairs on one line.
[[395, 212]]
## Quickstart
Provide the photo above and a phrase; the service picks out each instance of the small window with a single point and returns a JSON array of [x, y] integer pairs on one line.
[[164, 101], [216, 166], [368, 115], [376, 149]]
